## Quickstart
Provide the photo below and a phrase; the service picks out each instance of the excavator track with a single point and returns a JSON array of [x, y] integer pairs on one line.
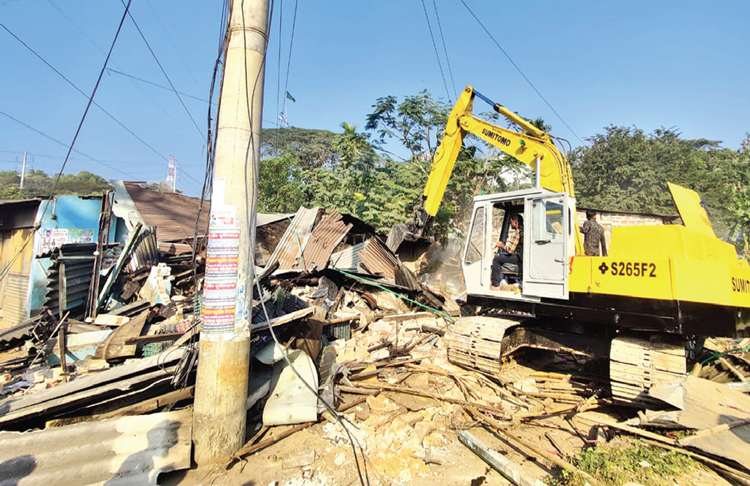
[[476, 342], [638, 363]]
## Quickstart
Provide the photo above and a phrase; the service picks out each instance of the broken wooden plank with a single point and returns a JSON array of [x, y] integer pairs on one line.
[[400, 389], [626, 428], [499, 427], [116, 345], [714, 464], [84, 383], [151, 404], [726, 364], [511, 471], [154, 338]]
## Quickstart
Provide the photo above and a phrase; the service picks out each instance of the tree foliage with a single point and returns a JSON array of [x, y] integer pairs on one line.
[[626, 169], [37, 183], [358, 175]]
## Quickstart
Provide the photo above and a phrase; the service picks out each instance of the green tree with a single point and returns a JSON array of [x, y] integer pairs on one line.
[[280, 188], [38, 184], [626, 169], [311, 148]]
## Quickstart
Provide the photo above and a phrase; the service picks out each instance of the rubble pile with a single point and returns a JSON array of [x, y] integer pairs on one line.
[[337, 312]]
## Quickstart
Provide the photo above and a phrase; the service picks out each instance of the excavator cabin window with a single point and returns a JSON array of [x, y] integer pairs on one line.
[[501, 213], [475, 248]]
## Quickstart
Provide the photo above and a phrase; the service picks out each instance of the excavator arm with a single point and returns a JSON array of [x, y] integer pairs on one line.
[[534, 148]]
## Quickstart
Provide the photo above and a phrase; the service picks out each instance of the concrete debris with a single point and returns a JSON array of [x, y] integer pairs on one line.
[[370, 331]]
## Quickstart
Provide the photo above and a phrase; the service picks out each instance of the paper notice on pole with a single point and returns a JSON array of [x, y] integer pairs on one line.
[[219, 306], [218, 190]]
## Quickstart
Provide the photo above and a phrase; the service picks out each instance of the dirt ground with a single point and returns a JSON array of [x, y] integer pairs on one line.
[[310, 458], [282, 464]]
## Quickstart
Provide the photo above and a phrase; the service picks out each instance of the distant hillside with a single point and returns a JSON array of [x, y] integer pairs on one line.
[[38, 183]]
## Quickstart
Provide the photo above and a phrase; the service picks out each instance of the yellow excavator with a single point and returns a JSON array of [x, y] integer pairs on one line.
[[646, 304]]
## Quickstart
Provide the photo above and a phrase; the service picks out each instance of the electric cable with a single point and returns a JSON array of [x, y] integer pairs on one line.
[[437, 55], [136, 78], [72, 143], [49, 137], [522, 73], [445, 49], [278, 65], [182, 171], [81, 91], [153, 54], [93, 43], [289, 58], [174, 44]]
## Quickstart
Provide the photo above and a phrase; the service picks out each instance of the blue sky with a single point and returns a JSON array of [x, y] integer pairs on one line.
[[681, 64]]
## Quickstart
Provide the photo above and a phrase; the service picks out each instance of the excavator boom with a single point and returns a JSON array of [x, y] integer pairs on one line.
[[534, 148]]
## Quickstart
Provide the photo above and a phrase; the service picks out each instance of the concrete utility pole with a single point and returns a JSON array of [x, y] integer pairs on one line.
[[219, 414], [23, 169]]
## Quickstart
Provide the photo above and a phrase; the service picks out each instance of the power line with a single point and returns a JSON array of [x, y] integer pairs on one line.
[[154, 84], [88, 105], [440, 64], [445, 49], [278, 66], [174, 45], [93, 43], [522, 74], [289, 59], [64, 145], [182, 171], [153, 54], [72, 143], [81, 91]]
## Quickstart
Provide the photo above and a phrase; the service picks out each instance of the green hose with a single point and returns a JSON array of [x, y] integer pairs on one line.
[[719, 355], [400, 296]]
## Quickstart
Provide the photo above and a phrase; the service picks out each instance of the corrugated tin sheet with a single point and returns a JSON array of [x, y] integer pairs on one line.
[[18, 214], [292, 245], [16, 297], [327, 234], [348, 259], [117, 452], [172, 214], [146, 251], [378, 259], [16, 335], [270, 218], [77, 262]]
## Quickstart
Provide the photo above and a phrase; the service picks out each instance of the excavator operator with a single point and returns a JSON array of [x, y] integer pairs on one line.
[[508, 252]]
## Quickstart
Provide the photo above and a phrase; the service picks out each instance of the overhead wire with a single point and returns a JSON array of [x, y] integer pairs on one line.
[[153, 54], [155, 84], [445, 49], [93, 43], [4, 272], [437, 55], [278, 66], [174, 44], [289, 58], [522, 73], [49, 137], [81, 91]]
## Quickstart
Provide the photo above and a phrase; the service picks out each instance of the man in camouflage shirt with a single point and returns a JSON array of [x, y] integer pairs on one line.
[[593, 235]]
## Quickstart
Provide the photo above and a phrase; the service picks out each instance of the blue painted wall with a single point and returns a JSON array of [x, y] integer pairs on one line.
[[80, 217]]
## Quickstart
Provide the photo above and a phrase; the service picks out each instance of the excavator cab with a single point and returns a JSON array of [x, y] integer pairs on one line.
[[548, 244]]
